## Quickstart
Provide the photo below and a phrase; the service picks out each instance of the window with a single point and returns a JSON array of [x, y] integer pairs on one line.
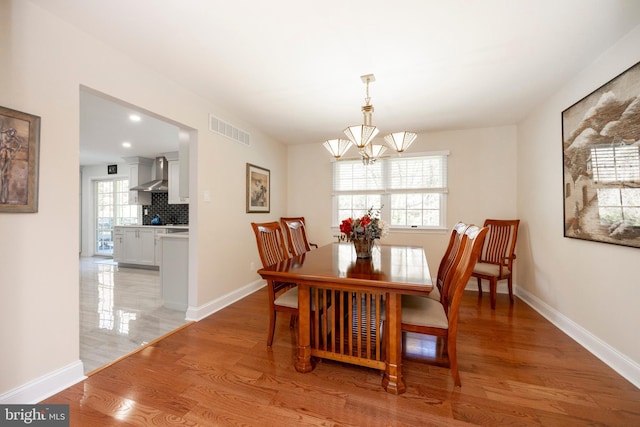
[[112, 208], [410, 191]]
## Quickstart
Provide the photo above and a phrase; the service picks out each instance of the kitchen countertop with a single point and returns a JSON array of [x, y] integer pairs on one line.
[[182, 226], [184, 235]]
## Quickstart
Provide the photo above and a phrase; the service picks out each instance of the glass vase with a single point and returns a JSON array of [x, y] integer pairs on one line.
[[363, 247]]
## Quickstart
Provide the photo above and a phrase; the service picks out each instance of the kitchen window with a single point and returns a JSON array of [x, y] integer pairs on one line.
[[410, 191]]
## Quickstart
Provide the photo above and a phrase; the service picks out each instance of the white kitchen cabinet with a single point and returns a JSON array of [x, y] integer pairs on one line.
[[135, 245], [139, 246], [118, 243], [174, 184], [174, 270]]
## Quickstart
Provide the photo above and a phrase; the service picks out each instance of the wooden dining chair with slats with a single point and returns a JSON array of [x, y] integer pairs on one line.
[[451, 256], [296, 232], [283, 297], [425, 315], [498, 254]]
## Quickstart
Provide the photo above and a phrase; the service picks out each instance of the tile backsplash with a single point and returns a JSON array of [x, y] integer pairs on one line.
[[170, 214]]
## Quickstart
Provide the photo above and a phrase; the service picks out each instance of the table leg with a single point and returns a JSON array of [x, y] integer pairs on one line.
[[304, 362], [392, 380]]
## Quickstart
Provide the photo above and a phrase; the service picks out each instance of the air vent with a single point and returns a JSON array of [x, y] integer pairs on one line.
[[223, 128]]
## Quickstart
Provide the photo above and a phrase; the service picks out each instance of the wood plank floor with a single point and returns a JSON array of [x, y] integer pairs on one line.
[[516, 368]]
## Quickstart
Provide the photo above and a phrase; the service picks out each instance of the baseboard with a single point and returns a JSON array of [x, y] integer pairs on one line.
[[199, 313], [40, 388], [603, 351]]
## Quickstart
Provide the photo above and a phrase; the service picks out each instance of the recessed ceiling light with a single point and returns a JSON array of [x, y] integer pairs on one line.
[[134, 117], [126, 144]]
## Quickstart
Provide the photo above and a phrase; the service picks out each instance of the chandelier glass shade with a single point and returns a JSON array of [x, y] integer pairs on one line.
[[337, 147], [362, 135], [400, 141]]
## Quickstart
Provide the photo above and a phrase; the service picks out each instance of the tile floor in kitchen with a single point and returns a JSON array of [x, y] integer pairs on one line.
[[120, 311]]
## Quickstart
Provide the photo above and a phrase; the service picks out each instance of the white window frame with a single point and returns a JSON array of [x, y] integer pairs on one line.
[[385, 192]]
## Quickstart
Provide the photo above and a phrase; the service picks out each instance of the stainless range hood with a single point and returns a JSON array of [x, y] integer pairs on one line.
[[160, 183]]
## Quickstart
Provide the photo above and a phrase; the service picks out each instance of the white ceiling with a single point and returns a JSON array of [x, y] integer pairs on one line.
[[292, 68]]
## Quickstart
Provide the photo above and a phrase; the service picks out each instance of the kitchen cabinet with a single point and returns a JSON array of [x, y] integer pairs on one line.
[[118, 243], [135, 245], [174, 184], [174, 270], [139, 173]]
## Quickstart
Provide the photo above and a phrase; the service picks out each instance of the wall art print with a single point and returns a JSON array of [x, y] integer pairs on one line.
[[258, 189], [19, 152], [601, 154]]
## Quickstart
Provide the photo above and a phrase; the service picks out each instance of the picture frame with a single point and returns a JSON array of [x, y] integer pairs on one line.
[[19, 161], [258, 189], [601, 163]]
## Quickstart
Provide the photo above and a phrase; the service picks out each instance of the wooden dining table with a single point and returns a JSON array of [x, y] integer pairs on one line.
[[350, 309]]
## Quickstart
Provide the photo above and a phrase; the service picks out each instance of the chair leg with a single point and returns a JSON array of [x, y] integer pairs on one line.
[[493, 284], [479, 287], [292, 321], [272, 327], [510, 288], [453, 360]]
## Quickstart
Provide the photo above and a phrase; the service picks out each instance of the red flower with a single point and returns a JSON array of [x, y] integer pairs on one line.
[[345, 227], [366, 220]]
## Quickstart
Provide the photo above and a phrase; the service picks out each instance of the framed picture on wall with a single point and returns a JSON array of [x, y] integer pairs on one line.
[[601, 154], [19, 162], [258, 189]]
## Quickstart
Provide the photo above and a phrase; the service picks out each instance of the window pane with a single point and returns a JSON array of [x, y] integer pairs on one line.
[[416, 173], [356, 205], [431, 218], [354, 176]]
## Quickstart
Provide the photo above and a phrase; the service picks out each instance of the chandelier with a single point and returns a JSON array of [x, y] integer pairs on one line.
[[361, 136]]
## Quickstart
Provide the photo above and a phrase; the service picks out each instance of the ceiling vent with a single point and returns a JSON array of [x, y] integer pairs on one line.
[[223, 128]]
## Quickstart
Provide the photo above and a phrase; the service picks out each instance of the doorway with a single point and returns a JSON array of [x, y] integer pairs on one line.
[[121, 309]]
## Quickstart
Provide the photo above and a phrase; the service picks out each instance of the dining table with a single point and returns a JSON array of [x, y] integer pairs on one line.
[[349, 308]]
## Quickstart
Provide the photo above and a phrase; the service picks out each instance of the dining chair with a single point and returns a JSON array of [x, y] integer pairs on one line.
[[451, 256], [296, 235], [425, 315], [496, 259], [283, 297]]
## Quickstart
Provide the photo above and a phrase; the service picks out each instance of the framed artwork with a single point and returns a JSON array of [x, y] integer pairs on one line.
[[601, 154], [258, 189], [19, 163]]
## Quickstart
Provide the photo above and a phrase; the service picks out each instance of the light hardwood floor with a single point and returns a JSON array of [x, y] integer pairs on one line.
[[120, 311], [516, 368]]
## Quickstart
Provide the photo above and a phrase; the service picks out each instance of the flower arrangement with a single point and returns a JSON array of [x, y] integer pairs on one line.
[[368, 227]]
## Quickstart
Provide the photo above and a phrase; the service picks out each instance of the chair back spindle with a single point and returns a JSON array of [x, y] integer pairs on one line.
[[296, 235]]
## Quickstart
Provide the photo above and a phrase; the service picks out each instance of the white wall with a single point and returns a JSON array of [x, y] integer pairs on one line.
[[589, 289], [482, 184], [44, 62]]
